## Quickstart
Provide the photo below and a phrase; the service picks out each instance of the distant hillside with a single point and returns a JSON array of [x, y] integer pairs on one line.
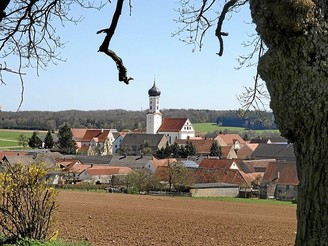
[[124, 119]]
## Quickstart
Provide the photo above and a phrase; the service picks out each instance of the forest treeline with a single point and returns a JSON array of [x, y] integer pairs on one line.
[[124, 119]]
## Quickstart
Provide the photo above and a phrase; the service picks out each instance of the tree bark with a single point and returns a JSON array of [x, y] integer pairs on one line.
[[295, 71]]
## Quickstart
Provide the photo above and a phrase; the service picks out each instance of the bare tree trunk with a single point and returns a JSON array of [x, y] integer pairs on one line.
[[295, 69]]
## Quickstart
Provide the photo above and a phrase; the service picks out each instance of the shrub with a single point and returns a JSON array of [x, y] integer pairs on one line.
[[26, 202]]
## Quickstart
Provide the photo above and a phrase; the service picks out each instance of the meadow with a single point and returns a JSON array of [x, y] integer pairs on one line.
[[213, 127], [8, 138]]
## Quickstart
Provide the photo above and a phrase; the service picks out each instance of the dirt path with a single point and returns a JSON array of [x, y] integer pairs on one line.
[[119, 219]]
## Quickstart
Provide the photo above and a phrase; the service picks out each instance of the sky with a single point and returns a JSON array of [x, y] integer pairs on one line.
[[88, 80]]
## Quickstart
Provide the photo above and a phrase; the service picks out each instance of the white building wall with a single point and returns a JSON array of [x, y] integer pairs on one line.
[[215, 192], [171, 136], [154, 116]]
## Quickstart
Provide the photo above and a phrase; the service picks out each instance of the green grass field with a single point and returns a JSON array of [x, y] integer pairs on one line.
[[246, 200], [8, 138], [212, 127]]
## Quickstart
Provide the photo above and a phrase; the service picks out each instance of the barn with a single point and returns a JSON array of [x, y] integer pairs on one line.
[[214, 190]]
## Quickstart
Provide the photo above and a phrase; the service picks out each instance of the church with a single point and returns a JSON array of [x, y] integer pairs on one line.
[[172, 128]]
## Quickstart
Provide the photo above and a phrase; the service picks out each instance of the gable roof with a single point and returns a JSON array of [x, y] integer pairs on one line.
[[138, 139], [49, 161], [274, 151], [226, 150], [67, 162], [134, 162], [245, 152], [217, 163], [172, 124], [107, 170], [12, 153], [230, 139], [230, 176], [257, 165], [162, 162], [79, 168], [281, 173], [86, 135], [202, 146]]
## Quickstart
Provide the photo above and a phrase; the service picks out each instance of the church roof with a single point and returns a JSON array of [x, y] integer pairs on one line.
[[154, 91], [172, 124]]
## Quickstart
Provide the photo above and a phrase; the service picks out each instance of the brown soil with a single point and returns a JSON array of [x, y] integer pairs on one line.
[[120, 219]]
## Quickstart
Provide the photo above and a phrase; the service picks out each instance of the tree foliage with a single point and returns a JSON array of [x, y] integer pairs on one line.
[[66, 142], [126, 119], [142, 180], [22, 140], [178, 177], [26, 202], [176, 151], [34, 141], [48, 141], [216, 150]]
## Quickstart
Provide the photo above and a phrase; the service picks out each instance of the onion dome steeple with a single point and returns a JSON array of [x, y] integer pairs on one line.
[[154, 91]]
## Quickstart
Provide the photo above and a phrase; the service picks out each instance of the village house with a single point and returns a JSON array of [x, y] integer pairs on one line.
[[96, 141], [234, 140], [135, 162], [228, 152], [53, 176], [283, 152], [102, 174], [154, 163], [246, 151], [177, 128], [214, 190], [137, 143], [202, 146], [280, 181]]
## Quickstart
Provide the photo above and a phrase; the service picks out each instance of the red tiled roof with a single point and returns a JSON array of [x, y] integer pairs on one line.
[[78, 133], [230, 176], [254, 165], [245, 152], [86, 135], [12, 153], [67, 162], [172, 124], [107, 170], [202, 146], [231, 138], [216, 163], [226, 151], [281, 173], [79, 168], [162, 162]]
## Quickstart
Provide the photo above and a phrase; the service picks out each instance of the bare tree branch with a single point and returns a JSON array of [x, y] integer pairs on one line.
[[105, 45], [253, 97]]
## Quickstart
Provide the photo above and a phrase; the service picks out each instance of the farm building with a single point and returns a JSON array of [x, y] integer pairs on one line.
[[214, 190]]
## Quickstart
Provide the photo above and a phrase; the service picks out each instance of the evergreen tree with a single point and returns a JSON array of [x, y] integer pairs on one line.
[[216, 150], [48, 141], [190, 149], [65, 140], [34, 141]]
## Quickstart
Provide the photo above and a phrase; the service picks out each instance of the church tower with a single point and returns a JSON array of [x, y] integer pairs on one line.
[[154, 116]]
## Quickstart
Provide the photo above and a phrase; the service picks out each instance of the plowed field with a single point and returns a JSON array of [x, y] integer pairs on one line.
[[120, 219]]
